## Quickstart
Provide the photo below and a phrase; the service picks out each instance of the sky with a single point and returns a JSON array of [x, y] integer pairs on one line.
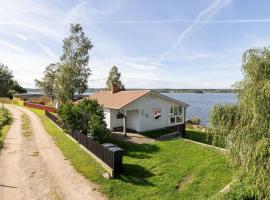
[[154, 43]]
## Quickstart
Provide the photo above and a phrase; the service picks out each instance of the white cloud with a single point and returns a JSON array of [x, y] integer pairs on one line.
[[44, 25], [211, 10], [13, 47], [23, 37]]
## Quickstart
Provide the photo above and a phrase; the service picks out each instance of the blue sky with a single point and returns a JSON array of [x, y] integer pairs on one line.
[[154, 43]]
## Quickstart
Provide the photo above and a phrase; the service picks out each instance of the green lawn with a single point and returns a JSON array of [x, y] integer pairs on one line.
[[194, 135], [4, 126], [175, 169]]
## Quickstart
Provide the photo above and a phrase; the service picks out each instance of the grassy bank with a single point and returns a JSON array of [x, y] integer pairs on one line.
[[5, 119], [174, 169]]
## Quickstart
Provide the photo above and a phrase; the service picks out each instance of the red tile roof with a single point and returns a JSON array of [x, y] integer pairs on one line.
[[118, 100]]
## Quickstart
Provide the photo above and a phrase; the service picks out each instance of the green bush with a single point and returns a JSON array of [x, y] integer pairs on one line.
[[4, 117], [240, 191], [86, 116], [222, 121], [96, 129], [195, 121]]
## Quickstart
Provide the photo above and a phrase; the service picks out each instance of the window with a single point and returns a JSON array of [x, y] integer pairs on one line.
[[175, 110], [171, 111], [157, 114], [175, 114], [172, 120], [178, 119], [119, 116], [180, 110]]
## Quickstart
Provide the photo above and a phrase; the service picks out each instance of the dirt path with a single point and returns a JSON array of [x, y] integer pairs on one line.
[[32, 166]]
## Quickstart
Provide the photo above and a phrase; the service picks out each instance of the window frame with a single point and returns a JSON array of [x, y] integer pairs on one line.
[[176, 112], [154, 114]]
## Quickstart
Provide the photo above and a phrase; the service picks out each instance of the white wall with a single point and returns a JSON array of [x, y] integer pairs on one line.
[[107, 113], [146, 106], [114, 121]]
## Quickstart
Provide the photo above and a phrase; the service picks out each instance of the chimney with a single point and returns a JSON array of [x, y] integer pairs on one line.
[[115, 88]]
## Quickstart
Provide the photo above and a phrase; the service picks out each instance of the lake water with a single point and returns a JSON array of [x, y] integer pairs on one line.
[[202, 104]]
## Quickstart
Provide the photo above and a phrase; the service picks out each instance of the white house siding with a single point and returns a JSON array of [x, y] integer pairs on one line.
[[146, 107], [114, 121], [107, 113]]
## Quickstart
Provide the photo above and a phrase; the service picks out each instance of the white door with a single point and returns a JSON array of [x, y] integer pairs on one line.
[[132, 119]]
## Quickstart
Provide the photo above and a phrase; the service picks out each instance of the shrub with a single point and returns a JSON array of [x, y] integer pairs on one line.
[[96, 128], [86, 116], [4, 118], [195, 121], [67, 115], [240, 191], [222, 122]]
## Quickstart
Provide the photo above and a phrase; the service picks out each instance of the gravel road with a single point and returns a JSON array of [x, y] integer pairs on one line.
[[32, 166]]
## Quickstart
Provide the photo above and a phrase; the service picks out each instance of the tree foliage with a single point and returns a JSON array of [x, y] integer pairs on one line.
[[48, 81], [246, 127], [73, 70], [8, 86], [6, 78], [16, 88], [114, 79], [71, 74], [222, 120], [86, 116]]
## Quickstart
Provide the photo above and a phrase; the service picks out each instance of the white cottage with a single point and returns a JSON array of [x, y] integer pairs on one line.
[[141, 110]]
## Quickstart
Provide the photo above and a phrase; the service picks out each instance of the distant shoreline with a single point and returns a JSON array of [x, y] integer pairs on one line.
[[162, 90]]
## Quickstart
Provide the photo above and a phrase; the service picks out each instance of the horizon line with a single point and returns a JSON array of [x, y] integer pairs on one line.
[[158, 21]]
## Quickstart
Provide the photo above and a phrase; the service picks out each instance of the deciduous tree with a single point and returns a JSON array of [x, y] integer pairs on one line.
[[6, 79], [73, 71], [114, 79], [248, 131], [8, 86], [47, 84]]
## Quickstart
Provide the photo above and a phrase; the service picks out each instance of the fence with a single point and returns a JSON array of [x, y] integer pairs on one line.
[[54, 118], [41, 107], [110, 154]]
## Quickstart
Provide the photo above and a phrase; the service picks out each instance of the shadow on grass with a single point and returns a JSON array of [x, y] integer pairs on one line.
[[157, 133], [135, 174], [140, 151]]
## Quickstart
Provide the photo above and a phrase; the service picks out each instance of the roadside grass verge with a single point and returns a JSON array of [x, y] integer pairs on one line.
[[5, 120], [175, 169]]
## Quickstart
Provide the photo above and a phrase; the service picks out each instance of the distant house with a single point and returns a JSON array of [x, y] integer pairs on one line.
[[141, 110]]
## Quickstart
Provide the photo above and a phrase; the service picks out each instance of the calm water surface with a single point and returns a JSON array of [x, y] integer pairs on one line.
[[202, 104]]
